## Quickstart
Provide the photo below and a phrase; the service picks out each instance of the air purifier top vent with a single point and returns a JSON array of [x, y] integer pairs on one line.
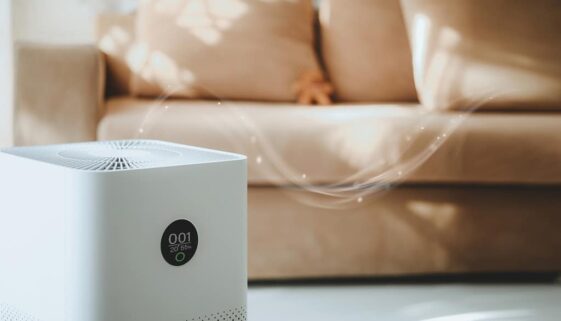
[[121, 155]]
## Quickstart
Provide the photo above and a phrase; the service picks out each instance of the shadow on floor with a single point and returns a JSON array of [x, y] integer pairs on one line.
[[471, 278]]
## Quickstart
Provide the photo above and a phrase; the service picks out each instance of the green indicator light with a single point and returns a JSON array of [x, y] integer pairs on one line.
[[180, 257]]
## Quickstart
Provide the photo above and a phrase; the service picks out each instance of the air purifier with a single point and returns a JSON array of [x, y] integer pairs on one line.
[[135, 230]]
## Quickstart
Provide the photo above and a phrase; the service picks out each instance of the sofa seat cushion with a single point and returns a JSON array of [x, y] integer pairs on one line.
[[346, 144]]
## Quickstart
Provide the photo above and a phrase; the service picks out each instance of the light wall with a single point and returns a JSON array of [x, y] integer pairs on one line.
[[6, 76], [54, 21], [62, 21]]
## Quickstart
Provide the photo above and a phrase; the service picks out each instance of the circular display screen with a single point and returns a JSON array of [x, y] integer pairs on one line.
[[179, 242]]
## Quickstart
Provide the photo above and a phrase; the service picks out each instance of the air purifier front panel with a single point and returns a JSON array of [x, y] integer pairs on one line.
[[118, 231]]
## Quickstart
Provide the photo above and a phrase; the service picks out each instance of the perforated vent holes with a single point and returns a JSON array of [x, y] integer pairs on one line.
[[8, 313], [236, 314], [117, 155], [120, 155]]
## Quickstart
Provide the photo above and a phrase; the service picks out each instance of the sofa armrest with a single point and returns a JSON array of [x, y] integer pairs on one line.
[[59, 93]]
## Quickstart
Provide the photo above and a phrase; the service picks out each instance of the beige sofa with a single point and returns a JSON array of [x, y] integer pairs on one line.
[[443, 192]]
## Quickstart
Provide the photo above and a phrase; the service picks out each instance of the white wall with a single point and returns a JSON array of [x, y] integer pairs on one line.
[[6, 76], [53, 21], [61, 21]]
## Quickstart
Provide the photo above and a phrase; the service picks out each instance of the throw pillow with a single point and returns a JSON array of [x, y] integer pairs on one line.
[[366, 50], [230, 49], [480, 54]]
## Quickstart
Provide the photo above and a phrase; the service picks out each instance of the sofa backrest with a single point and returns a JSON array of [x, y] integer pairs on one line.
[[364, 41], [115, 36]]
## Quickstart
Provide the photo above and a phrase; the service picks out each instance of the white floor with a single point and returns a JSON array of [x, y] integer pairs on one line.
[[541, 302]]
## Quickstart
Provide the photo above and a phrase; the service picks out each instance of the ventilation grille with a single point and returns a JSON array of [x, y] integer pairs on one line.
[[8, 313], [120, 155], [117, 155], [236, 314]]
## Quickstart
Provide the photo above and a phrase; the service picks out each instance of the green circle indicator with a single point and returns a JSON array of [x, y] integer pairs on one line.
[[180, 257]]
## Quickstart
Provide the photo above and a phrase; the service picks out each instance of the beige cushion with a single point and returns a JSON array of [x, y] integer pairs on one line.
[[366, 50], [115, 37], [499, 54], [253, 50], [349, 143]]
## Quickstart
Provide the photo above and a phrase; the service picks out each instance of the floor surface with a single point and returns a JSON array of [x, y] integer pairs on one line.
[[454, 302]]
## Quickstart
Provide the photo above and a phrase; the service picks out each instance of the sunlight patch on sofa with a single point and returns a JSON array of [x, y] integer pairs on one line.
[[205, 19], [115, 40], [439, 214], [156, 66]]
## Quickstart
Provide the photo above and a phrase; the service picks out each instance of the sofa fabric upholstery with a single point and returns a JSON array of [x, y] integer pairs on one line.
[[499, 54], [59, 93], [250, 50], [366, 51], [408, 230], [115, 39], [288, 144]]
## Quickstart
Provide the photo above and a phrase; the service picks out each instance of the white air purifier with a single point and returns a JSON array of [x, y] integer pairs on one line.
[[133, 230]]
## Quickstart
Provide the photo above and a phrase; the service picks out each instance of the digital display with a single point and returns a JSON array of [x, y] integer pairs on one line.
[[179, 242]]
